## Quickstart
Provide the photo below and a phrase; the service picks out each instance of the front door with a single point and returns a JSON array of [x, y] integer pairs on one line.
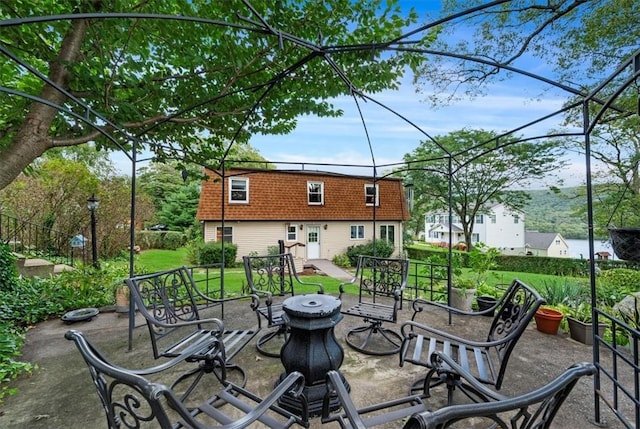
[[313, 241]]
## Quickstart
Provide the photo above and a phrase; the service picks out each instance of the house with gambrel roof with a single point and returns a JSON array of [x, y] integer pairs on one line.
[[317, 214]]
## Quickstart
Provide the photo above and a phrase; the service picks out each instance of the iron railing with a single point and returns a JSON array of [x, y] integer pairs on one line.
[[34, 240], [427, 280], [614, 356]]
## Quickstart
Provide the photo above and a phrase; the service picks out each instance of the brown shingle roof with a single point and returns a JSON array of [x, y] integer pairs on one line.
[[282, 195]]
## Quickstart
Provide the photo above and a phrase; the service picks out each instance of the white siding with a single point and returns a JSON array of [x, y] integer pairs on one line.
[[251, 236]]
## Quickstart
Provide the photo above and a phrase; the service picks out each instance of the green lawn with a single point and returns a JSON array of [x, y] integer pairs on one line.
[[234, 278]]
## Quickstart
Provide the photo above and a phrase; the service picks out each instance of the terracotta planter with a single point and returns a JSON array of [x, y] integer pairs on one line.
[[548, 320], [583, 331], [626, 243]]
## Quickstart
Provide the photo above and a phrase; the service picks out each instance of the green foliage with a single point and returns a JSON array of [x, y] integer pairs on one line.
[[341, 260], [563, 291], [169, 240], [34, 299], [8, 273], [211, 253], [242, 56], [557, 211], [381, 249], [11, 340], [179, 208], [481, 176]]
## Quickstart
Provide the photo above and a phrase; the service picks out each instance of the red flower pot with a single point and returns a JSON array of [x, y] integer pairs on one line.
[[548, 320]]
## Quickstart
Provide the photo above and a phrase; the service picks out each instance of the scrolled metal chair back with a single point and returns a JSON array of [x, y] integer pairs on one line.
[[271, 273]]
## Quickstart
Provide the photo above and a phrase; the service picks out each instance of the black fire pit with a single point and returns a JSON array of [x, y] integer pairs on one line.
[[311, 349]]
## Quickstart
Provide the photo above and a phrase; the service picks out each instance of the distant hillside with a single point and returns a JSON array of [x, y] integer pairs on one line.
[[548, 211]]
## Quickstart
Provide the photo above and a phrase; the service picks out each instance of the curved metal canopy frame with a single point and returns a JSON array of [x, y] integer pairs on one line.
[[131, 144]]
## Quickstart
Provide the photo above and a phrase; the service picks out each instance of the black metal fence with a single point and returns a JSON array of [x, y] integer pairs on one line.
[[427, 280], [623, 358], [38, 241]]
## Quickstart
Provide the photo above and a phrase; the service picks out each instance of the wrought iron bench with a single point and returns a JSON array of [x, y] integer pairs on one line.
[[169, 301], [271, 279], [381, 282], [130, 400], [485, 360], [535, 409]]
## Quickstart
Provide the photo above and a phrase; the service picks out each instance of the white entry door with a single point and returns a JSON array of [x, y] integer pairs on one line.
[[313, 241]]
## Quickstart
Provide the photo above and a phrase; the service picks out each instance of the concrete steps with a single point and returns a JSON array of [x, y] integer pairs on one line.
[[35, 267]]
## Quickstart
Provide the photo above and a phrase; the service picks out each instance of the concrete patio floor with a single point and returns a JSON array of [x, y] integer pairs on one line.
[[60, 393]]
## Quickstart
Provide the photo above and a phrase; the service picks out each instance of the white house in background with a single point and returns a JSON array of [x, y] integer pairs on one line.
[[500, 227], [546, 244]]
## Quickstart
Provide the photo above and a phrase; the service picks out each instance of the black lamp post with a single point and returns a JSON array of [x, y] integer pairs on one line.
[[92, 205]]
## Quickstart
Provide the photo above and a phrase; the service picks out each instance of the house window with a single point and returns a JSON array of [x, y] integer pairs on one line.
[[516, 219], [557, 242], [493, 218], [226, 235], [315, 192], [387, 233], [357, 232], [475, 238], [479, 219], [292, 233], [431, 219], [371, 195], [238, 190]]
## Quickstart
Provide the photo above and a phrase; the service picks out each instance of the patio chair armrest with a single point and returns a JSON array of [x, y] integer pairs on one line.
[[420, 303], [293, 385], [408, 331], [443, 363], [77, 336], [336, 387], [550, 397]]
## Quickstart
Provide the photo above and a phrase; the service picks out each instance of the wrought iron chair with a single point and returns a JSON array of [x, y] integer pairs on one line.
[[389, 412], [381, 282], [271, 279], [485, 360], [130, 400], [535, 409], [169, 301]]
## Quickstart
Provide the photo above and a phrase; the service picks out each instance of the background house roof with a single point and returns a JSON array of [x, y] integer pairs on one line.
[[282, 195], [539, 240]]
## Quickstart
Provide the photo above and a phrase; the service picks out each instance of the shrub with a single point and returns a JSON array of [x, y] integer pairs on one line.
[[211, 253], [168, 240], [341, 260], [381, 249], [8, 272]]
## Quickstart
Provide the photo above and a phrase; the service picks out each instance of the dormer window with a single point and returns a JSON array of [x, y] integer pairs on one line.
[[371, 195], [238, 190], [315, 193]]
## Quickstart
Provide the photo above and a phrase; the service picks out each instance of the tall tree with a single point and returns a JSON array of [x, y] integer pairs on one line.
[[479, 175], [183, 88]]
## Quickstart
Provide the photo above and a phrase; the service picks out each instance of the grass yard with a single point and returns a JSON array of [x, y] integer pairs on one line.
[[234, 278]]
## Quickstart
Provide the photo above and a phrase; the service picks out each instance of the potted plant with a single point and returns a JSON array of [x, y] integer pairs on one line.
[[579, 319], [487, 297], [548, 320], [463, 292]]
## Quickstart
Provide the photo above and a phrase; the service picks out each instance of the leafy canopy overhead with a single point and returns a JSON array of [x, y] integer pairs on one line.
[[184, 88]]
